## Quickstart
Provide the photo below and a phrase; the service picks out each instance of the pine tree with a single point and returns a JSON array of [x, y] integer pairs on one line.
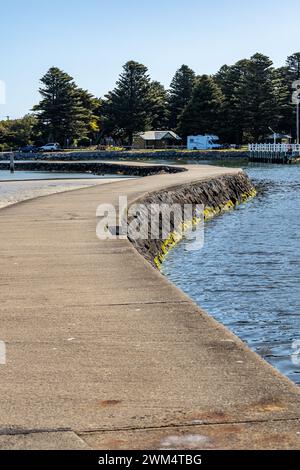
[[292, 75], [180, 93], [230, 78], [127, 107], [258, 95], [202, 113], [61, 115], [293, 65], [283, 95], [159, 106], [92, 115]]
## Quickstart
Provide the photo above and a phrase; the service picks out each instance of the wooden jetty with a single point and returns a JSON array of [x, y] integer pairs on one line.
[[274, 153]]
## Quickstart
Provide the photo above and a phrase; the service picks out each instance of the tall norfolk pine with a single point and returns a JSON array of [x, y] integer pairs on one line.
[[239, 104], [180, 93], [258, 93], [159, 106], [229, 78], [61, 113], [203, 112], [293, 66], [127, 108], [256, 97]]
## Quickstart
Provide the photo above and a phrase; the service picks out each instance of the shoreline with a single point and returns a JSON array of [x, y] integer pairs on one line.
[[91, 155], [102, 344]]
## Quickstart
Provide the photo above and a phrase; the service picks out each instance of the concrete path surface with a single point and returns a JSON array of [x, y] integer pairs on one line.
[[104, 352]]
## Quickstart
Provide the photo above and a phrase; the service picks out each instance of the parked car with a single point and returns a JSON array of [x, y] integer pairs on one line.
[[50, 148], [28, 149]]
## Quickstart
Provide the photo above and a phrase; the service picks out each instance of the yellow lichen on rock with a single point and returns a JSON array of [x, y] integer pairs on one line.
[[209, 212]]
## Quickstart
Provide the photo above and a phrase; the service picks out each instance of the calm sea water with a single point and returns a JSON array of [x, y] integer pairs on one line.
[[247, 275], [24, 185], [39, 175]]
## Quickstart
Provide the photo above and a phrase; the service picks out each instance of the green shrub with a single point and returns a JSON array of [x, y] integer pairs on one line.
[[83, 142]]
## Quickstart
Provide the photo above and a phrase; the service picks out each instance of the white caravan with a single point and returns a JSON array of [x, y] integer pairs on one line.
[[203, 142]]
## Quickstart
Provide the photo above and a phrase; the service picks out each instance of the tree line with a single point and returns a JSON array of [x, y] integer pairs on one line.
[[240, 103]]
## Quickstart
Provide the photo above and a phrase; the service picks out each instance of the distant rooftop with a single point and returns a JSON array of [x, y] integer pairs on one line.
[[280, 136], [159, 135]]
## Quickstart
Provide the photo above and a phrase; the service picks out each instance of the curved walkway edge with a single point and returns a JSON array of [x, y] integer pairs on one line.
[[103, 352]]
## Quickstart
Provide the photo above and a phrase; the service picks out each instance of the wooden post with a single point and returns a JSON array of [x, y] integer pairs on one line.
[[12, 163]]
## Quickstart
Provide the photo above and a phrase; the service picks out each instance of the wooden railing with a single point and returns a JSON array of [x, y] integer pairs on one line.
[[276, 148], [274, 153]]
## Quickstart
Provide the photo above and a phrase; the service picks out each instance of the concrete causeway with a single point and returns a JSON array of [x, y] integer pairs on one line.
[[103, 352]]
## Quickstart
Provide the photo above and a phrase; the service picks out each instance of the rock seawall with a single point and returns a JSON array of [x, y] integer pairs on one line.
[[217, 195], [133, 154], [96, 168]]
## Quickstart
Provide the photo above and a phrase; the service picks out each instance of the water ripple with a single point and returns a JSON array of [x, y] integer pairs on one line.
[[248, 274]]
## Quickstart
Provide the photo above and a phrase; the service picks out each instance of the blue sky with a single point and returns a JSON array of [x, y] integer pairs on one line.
[[92, 39]]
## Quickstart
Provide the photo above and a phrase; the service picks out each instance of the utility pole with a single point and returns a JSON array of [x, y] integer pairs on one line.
[[296, 100], [274, 134], [298, 119]]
